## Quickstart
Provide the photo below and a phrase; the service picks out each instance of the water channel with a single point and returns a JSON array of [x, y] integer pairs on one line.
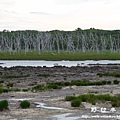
[[36, 63]]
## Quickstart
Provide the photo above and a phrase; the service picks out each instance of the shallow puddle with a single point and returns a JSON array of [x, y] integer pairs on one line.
[[43, 105]]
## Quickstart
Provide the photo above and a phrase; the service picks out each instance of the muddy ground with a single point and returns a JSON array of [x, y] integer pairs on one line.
[[56, 98]]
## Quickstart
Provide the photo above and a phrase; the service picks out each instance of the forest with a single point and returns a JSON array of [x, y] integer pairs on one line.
[[89, 40]]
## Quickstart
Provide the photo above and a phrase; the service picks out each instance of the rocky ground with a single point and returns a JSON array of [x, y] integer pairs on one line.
[[55, 98]]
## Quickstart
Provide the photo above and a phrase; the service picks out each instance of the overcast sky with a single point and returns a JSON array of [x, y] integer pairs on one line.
[[59, 14]]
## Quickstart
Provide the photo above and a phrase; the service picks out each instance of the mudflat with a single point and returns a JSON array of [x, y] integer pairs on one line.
[[47, 103]]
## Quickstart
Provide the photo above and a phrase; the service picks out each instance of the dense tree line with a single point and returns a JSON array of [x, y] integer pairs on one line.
[[71, 41]]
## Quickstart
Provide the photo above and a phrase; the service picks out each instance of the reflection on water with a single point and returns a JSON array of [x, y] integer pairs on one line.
[[35, 63], [19, 99], [43, 105]]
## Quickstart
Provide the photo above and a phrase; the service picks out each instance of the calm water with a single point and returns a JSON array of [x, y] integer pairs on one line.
[[35, 63]]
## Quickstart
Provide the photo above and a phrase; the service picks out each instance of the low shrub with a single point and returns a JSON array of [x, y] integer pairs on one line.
[[59, 83], [108, 82], [1, 81], [10, 85], [91, 98], [98, 83], [88, 83], [53, 86], [115, 103], [116, 82], [104, 82], [38, 87], [100, 74], [67, 83], [3, 104], [118, 96], [44, 75], [25, 104], [70, 98], [25, 90], [16, 89], [76, 82], [114, 74], [76, 103], [5, 90], [1, 90], [104, 97], [32, 84], [65, 78]]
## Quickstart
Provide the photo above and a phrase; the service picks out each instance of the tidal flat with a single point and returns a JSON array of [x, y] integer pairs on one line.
[[48, 102]]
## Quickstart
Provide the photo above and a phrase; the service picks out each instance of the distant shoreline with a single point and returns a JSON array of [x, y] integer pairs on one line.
[[54, 56]]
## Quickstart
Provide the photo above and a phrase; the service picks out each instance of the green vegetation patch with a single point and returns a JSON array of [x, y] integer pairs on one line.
[[59, 85], [3, 90], [116, 82], [53, 86], [76, 103], [92, 98], [10, 85], [73, 56], [1, 81], [114, 74], [13, 76], [44, 75], [25, 104], [15, 89], [38, 87], [3, 105]]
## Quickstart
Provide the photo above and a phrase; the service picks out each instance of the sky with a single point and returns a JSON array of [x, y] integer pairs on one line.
[[45, 15]]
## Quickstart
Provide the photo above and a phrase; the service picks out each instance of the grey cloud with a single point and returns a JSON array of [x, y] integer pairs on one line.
[[10, 11]]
